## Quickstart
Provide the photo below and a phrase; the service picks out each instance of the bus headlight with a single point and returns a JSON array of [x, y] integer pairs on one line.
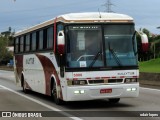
[[130, 80], [76, 82]]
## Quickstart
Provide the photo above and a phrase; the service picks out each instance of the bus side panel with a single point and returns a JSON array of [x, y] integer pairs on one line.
[[48, 69], [33, 73], [18, 66]]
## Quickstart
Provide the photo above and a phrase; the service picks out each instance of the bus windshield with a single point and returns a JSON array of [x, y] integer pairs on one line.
[[87, 46], [119, 45]]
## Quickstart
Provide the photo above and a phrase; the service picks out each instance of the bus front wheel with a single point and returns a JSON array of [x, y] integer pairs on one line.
[[24, 86], [54, 95]]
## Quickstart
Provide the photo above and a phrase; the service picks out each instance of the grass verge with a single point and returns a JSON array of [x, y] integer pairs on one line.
[[151, 66]]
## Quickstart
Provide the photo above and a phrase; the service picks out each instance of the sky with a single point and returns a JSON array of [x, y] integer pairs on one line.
[[21, 14]]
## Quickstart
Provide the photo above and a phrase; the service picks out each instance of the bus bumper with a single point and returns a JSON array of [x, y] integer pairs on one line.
[[80, 93]]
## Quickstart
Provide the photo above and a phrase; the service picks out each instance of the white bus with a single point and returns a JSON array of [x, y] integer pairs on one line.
[[79, 56]]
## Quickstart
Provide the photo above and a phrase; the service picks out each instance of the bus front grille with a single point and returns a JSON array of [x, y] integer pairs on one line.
[[105, 81]]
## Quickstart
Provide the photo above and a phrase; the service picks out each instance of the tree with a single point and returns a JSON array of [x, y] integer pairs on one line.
[[5, 55]]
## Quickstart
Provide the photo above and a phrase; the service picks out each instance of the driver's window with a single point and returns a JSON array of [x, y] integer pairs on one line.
[[83, 45]]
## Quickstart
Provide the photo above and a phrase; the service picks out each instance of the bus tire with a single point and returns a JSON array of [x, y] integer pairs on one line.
[[114, 100], [54, 94], [24, 85]]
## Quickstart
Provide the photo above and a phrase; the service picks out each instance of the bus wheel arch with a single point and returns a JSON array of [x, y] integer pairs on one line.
[[54, 92], [23, 84], [22, 80]]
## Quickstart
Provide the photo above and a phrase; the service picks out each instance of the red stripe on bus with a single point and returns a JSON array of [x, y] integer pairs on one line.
[[135, 76], [19, 65], [122, 77], [55, 34], [48, 69], [105, 77]]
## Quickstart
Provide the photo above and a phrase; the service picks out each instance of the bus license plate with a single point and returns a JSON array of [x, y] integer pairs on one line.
[[102, 91]]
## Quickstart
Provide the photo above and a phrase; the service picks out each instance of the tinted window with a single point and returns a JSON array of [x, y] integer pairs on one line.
[[50, 37], [34, 41], [41, 40], [21, 43], [27, 42], [17, 45]]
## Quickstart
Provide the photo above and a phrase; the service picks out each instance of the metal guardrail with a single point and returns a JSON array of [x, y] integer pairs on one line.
[[149, 79]]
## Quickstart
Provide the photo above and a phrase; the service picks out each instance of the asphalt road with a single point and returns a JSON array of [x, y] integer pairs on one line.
[[14, 101]]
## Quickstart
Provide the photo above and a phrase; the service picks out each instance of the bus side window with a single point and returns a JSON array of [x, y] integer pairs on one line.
[[17, 45], [33, 41], [27, 43], [50, 37], [44, 39], [21, 43], [40, 43]]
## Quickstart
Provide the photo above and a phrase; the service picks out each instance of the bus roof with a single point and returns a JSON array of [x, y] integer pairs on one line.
[[86, 17], [95, 16]]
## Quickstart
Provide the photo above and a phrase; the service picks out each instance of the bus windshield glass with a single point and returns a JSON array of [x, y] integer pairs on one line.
[[120, 45], [83, 44], [87, 46]]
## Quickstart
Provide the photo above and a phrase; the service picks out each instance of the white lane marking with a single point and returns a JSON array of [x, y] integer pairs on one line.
[[2, 88], [43, 104], [149, 89]]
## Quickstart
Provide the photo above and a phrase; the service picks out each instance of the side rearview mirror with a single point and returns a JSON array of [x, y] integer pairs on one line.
[[144, 41], [145, 45], [61, 42]]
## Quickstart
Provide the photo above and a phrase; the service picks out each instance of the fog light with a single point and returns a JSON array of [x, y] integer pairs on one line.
[[134, 89], [76, 92], [129, 89], [82, 91]]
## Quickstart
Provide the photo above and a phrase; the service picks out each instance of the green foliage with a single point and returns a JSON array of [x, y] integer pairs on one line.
[[152, 66], [3, 44], [5, 55], [155, 48]]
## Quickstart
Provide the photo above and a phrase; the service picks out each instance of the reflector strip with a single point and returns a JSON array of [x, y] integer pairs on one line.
[[135, 76], [122, 76], [100, 78]]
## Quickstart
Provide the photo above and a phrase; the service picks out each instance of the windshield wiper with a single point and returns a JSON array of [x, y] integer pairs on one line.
[[95, 58], [114, 55]]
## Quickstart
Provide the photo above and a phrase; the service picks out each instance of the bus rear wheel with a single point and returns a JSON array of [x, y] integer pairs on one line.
[[54, 95], [24, 88], [114, 100]]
